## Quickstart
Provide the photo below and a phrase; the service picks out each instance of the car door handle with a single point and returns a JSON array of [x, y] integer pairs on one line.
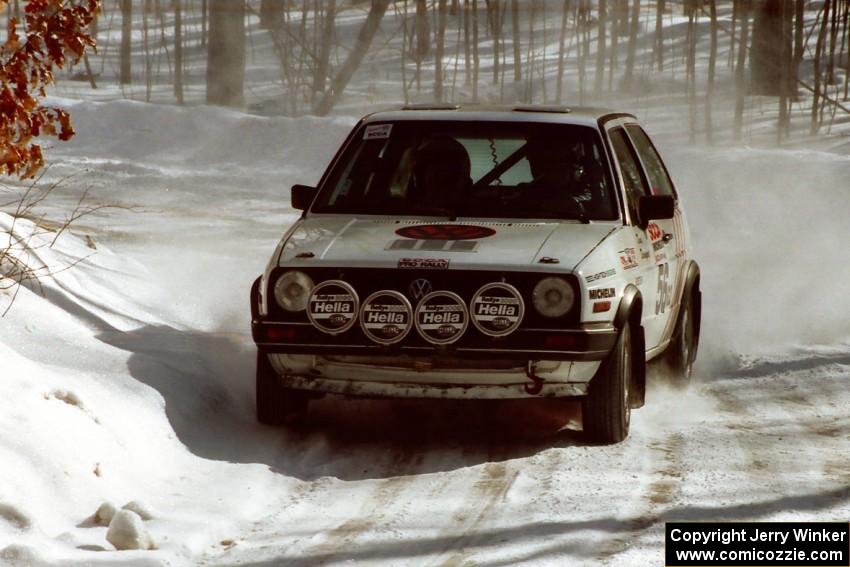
[[667, 237]]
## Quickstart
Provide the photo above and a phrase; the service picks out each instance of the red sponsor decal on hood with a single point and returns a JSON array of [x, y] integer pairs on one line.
[[445, 232]]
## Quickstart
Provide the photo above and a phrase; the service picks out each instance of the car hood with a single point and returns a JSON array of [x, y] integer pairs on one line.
[[374, 242]]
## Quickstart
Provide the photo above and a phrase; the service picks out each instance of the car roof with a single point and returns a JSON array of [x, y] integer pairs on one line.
[[586, 116]]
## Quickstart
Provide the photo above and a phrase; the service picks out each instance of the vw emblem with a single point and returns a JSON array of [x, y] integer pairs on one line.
[[419, 288]]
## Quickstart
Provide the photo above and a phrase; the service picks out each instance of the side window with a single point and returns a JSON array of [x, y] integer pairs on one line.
[[658, 177], [632, 178]]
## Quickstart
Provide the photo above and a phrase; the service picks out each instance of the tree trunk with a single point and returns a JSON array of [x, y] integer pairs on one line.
[[178, 51], [712, 61], [355, 56], [633, 32], [320, 77], [495, 18], [740, 76], [600, 50], [561, 53], [476, 61], [126, 39], [658, 47], [226, 53], [799, 21], [438, 56], [467, 52], [817, 64], [785, 77], [767, 48], [690, 73], [515, 38]]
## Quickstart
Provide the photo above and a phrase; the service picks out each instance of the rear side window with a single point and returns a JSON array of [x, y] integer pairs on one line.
[[659, 180], [632, 178]]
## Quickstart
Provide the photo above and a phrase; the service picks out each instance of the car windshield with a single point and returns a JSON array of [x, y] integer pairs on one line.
[[475, 169]]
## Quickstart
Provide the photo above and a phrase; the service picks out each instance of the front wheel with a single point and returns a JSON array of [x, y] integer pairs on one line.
[[606, 410], [276, 405], [681, 352]]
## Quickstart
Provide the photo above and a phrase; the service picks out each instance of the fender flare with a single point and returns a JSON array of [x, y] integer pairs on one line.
[[631, 298], [255, 299]]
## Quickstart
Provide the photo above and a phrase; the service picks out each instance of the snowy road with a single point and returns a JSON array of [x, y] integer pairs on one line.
[[133, 380]]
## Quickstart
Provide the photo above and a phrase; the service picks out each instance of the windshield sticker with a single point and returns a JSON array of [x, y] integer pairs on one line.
[[445, 232], [424, 263], [377, 132], [628, 258], [600, 275]]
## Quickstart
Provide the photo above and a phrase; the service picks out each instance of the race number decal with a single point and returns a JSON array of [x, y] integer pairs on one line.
[[662, 298]]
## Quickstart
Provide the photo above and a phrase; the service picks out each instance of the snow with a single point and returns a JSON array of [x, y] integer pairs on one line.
[[128, 378]]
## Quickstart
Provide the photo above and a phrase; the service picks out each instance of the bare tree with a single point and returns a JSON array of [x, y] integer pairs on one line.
[[321, 74], [126, 40], [355, 56], [712, 60], [634, 25], [740, 76], [600, 49], [226, 53], [438, 55], [658, 46], [561, 52], [476, 62], [178, 51], [815, 125], [516, 43]]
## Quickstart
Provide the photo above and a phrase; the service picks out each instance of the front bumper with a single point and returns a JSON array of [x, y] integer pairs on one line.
[[585, 343]]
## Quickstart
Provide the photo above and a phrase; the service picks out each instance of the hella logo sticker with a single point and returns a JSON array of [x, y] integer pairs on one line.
[[441, 317], [386, 317], [333, 306], [497, 309]]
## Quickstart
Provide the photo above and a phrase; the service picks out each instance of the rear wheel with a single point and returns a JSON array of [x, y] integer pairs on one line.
[[681, 352], [606, 410], [276, 405]]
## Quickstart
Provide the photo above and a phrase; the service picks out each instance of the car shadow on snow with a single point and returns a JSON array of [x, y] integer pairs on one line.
[[207, 382]]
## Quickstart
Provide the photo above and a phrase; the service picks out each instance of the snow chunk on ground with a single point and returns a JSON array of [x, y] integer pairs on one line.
[[139, 508], [105, 513], [127, 531], [15, 517]]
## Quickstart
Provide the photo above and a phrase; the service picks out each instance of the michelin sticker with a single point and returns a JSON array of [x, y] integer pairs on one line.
[[441, 317], [332, 307], [497, 309], [386, 317]]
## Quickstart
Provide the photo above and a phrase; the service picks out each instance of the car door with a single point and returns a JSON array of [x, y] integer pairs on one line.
[[654, 269], [666, 235]]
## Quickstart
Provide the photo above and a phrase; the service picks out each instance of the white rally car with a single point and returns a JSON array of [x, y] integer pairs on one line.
[[504, 252]]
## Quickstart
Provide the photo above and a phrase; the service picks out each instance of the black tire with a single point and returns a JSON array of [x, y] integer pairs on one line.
[[682, 350], [276, 405], [606, 409]]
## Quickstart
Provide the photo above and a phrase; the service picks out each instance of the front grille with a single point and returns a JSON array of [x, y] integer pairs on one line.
[[462, 282]]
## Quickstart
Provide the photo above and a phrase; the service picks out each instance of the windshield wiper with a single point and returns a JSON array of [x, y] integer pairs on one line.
[[554, 215]]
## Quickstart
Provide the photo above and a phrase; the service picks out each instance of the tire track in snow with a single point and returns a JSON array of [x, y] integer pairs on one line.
[[491, 488], [661, 488]]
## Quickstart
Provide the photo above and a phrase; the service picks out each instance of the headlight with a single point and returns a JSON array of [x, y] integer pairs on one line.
[[553, 297], [292, 290]]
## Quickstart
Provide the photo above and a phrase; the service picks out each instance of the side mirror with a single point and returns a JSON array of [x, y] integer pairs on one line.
[[656, 207], [302, 196]]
